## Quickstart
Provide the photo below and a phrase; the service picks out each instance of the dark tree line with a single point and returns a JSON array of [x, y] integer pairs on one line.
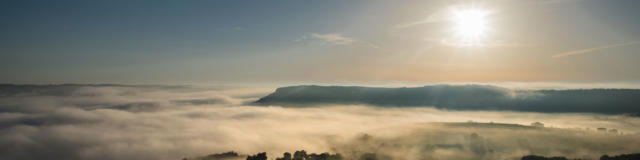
[[634, 156], [259, 156], [302, 155], [534, 157], [463, 97], [217, 156]]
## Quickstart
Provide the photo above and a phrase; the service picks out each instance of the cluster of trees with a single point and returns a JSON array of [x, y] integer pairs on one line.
[[259, 156], [635, 156], [534, 157], [302, 155], [218, 156]]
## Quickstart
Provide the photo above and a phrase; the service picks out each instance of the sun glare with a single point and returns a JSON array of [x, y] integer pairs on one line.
[[470, 25]]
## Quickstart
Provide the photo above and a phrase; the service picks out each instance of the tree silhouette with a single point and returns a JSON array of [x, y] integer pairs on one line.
[[634, 156], [259, 156]]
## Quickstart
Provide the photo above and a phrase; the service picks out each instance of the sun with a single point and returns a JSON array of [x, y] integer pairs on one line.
[[470, 25]]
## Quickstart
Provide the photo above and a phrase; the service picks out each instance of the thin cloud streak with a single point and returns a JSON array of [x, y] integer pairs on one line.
[[583, 51], [438, 16], [411, 24], [331, 38], [336, 39]]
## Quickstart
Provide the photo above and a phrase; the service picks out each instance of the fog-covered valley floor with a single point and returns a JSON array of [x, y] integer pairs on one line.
[[172, 122]]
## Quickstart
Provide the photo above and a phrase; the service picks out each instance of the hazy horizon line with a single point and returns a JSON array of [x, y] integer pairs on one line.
[[510, 85]]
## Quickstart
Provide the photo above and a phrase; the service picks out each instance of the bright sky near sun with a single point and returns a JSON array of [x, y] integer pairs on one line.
[[319, 41], [470, 25]]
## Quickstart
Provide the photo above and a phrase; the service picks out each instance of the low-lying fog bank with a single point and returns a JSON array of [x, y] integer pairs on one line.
[[155, 122]]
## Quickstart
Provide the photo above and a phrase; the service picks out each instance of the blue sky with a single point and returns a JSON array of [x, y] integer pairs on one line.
[[314, 41]]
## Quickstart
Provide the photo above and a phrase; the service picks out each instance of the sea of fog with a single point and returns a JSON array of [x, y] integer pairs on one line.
[[95, 122]]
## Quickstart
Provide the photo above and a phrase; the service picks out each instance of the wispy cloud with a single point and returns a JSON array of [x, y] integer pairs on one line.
[[330, 38], [436, 17], [335, 39], [411, 24], [583, 51]]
